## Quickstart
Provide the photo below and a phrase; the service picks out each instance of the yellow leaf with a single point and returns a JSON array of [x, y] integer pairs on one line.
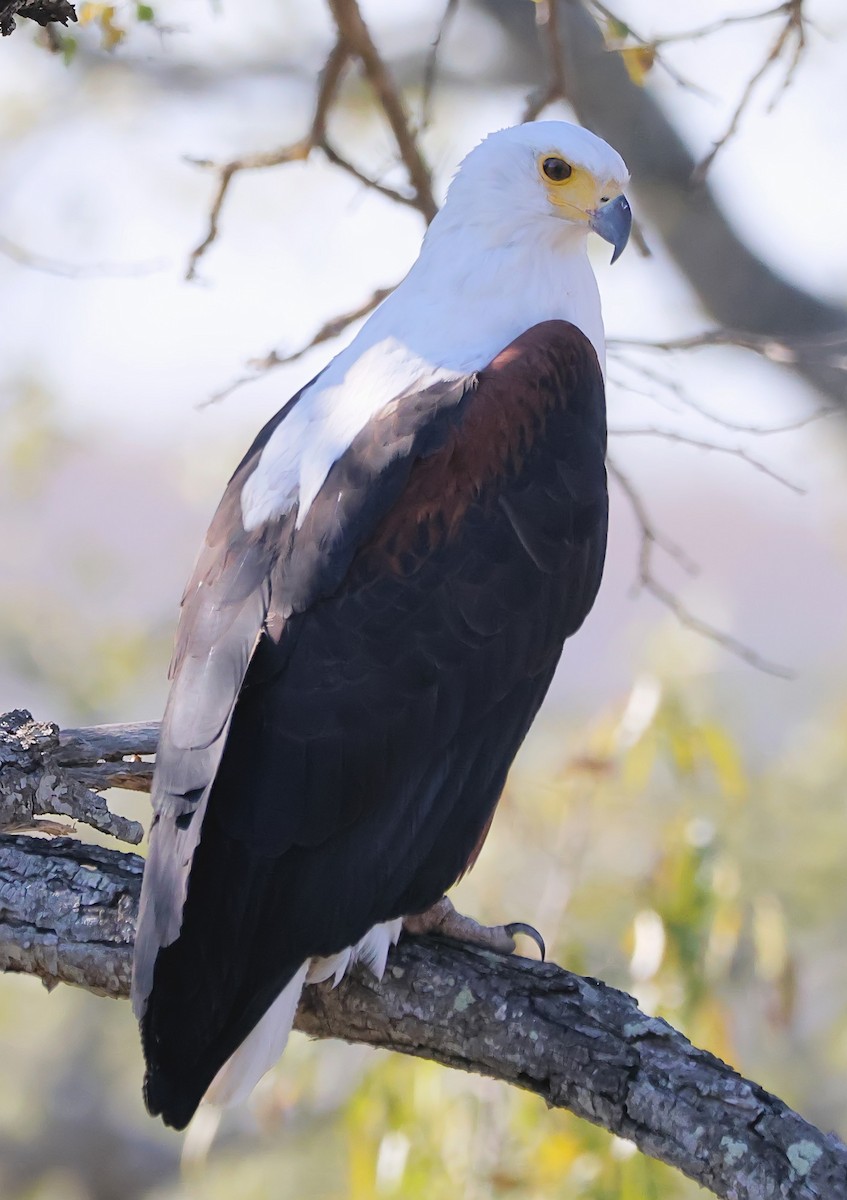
[[89, 12], [638, 61], [725, 760], [639, 763], [111, 33], [681, 748], [770, 937]]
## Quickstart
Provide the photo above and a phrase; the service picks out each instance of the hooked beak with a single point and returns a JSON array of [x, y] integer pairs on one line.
[[613, 222]]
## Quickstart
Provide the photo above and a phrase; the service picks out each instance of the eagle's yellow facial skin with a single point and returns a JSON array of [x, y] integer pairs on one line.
[[580, 194]]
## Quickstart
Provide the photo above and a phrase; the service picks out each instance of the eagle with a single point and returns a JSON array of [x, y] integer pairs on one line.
[[374, 620]]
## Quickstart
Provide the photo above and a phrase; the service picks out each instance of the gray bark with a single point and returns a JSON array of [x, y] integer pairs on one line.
[[67, 914], [43, 12], [734, 285], [35, 782]]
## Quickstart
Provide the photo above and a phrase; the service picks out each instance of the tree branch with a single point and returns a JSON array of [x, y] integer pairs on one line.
[[330, 329], [35, 782], [328, 84], [355, 34], [651, 538], [792, 31], [67, 914], [43, 12], [353, 42]]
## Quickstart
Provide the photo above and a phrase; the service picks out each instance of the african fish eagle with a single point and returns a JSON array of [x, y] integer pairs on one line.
[[375, 618]]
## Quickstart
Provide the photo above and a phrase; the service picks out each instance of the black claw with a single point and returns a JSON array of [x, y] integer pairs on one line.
[[531, 932]]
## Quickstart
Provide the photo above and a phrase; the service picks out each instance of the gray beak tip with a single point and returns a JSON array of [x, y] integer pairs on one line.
[[613, 223]]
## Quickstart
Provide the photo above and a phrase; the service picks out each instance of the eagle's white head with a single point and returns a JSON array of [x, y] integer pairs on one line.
[[543, 178]]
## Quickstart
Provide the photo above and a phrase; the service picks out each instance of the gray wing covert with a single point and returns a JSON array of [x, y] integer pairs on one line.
[[223, 613]]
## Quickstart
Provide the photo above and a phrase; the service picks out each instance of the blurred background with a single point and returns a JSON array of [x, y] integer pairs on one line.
[[675, 823]]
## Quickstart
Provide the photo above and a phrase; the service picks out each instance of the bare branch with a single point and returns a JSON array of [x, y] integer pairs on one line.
[[328, 85], [53, 266], [703, 31], [431, 64], [339, 161], [651, 537], [106, 743], [792, 31], [547, 20], [355, 35], [354, 41], [650, 45], [673, 386], [33, 783], [780, 350], [791, 9], [104, 756], [330, 329], [740, 452]]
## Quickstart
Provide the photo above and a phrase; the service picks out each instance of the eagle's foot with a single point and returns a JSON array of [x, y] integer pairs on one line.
[[443, 921]]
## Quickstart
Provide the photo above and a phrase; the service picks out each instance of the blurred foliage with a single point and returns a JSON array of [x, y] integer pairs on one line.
[[91, 668], [113, 22], [33, 442]]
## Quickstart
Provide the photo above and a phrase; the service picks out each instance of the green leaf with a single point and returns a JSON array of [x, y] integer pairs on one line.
[[68, 46], [144, 12]]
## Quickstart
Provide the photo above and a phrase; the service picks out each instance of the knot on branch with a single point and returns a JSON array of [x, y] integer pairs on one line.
[[34, 782]]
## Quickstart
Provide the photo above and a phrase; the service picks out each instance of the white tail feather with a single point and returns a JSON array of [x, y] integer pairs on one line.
[[371, 950], [264, 1045], [259, 1050]]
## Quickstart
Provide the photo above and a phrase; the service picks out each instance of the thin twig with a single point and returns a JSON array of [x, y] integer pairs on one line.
[[339, 161], [793, 28], [330, 329], [356, 37], [673, 386], [328, 85], [54, 266], [702, 31], [647, 581], [651, 45], [740, 452], [547, 19], [354, 41], [785, 351], [431, 65]]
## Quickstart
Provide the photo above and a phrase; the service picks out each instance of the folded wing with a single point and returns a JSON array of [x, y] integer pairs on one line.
[[350, 690]]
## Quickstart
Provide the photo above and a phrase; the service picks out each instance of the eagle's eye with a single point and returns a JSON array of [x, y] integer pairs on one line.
[[557, 169]]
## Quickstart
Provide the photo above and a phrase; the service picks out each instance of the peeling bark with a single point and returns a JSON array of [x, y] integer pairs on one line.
[[34, 782], [67, 914]]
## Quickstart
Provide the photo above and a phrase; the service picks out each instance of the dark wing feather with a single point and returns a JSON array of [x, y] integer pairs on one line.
[[371, 739]]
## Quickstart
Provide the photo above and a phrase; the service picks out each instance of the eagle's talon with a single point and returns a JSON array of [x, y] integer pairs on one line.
[[442, 920], [531, 932]]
